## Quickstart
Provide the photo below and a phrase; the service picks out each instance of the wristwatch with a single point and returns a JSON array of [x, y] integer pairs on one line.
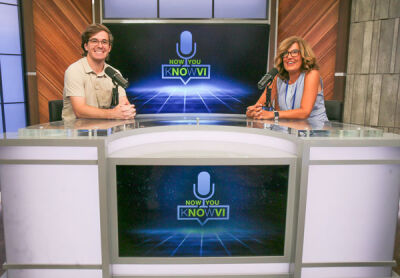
[[276, 116]]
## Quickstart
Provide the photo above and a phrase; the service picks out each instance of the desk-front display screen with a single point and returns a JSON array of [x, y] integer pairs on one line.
[[191, 68], [201, 211]]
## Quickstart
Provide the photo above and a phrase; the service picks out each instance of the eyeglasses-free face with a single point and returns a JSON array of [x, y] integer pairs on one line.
[[293, 53]]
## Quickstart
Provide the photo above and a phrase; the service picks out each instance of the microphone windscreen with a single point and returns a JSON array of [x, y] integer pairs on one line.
[[273, 72], [186, 43], [203, 183], [110, 71]]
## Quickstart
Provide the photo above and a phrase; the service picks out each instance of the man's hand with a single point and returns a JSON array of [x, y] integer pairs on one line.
[[123, 111]]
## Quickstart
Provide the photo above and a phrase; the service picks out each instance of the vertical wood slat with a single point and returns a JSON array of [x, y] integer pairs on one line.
[[376, 34], [30, 62], [375, 99], [355, 48], [354, 9], [395, 46], [394, 8], [343, 30], [57, 25], [365, 10], [397, 54], [369, 99], [359, 99], [366, 47], [397, 116], [385, 45], [348, 98], [272, 34], [381, 9], [387, 107]]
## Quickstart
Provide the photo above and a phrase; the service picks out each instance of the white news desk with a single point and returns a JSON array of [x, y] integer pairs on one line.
[[58, 190]]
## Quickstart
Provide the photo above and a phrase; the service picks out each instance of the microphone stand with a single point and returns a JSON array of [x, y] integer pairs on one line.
[[268, 106], [114, 98]]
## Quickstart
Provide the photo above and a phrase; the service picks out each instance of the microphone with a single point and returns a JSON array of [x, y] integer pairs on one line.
[[204, 189], [116, 77], [185, 48], [267, 78]]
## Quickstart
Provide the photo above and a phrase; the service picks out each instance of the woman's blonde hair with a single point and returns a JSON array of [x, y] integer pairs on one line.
[[309, 61]]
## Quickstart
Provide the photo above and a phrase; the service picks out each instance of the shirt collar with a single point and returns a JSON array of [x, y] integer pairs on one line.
[[88, 69]]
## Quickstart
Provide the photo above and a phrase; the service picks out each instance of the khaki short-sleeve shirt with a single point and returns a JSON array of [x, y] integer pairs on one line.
[[81, 81]]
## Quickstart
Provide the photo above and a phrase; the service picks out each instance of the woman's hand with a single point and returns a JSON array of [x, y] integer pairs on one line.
[[249, 111], [257, 112], [252, 110], [263, 115]]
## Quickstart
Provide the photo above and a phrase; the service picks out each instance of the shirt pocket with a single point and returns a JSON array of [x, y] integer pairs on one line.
[[103, 88]]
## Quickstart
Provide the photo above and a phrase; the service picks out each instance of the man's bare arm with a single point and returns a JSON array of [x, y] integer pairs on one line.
[[82, 110]]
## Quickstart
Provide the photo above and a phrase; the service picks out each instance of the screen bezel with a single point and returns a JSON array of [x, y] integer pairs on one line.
[[113, 215]]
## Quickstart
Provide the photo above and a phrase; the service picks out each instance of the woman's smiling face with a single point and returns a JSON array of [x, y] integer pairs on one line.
[[292, 59]]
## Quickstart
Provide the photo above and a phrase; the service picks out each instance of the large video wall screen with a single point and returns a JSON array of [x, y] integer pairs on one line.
[[191, 68], [201, 211]]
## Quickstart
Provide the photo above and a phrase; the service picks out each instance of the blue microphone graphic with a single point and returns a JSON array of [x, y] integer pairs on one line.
[[204, 189], [187, 48]]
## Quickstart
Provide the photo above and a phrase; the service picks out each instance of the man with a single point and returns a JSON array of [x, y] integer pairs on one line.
[[87, 89]]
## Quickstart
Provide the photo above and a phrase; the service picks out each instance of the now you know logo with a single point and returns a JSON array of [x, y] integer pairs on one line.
[[203, 209], [185, 68]]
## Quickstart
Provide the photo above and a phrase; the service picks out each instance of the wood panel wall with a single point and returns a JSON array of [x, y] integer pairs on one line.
[[373, 71], [57, 26], [316, 22]]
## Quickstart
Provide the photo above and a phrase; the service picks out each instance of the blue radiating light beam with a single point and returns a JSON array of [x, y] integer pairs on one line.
[[208, 109], [241, 242], [223, 245], [143, 104], [201, 244], [238, 100], [224, 103], [258, 241], [184, 102], [180, 244], [149, 98], [159, 244], [159, 110], [144, 241]]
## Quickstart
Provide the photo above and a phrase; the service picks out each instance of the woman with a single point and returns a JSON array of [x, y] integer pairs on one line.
[[298, 90]]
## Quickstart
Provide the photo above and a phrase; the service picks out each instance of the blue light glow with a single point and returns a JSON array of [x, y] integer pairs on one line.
[[202, 97], [256, 196], [193, 242], [191, 68]]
